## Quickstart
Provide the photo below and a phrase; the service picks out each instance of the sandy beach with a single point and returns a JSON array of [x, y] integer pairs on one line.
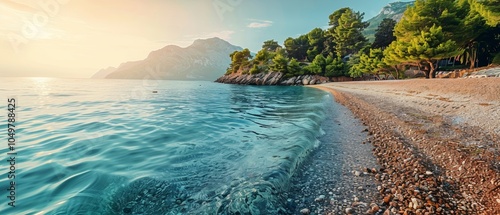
[[437, 143]]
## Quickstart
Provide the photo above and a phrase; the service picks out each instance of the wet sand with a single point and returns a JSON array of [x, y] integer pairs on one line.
[[436, 143]]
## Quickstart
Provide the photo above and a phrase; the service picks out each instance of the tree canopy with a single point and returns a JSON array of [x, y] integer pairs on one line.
[[384, 35], [346, 29], [429, 31]]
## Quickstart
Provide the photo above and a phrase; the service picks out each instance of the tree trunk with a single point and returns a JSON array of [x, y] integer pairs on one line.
[[397, 72], [472, 62], [425, 69], [431, 69]]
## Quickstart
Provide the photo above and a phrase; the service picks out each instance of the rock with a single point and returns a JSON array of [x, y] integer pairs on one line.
[[305, 81], [357, 173], [356, 204], [320, 198], [312, 81], [349, 211], [498, 201], [428, 173], [375, 208], [305, 211], [290, 81], [387, 199], [399, 197], [417, 203], [356, 199]]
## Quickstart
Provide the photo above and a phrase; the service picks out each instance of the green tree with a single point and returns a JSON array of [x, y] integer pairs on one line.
[[426, 49], [280, 63], [336, 68], [320, 61], [335, 16], [392, 58], [294, 67], [489, 9], [313, 69], [297, 48], [316, 40], [329, 45], [426, 13], [371, 63], [427, 32], [264, 56], [481, 39], [258, 69], [271, 45], [384, 35], [346, 30], [239, 60]]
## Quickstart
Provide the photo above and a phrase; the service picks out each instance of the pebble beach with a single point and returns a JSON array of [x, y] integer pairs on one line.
[[436, 146]]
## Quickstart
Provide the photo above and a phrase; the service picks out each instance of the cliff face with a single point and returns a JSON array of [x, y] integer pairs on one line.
[[272, 78], [393, 11]]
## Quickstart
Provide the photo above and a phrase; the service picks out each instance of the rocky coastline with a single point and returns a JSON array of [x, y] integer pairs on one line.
[[277, 78]]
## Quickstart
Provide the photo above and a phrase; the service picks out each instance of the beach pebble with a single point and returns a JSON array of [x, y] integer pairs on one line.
[[349, 211], [428, 173], [498, 201], [357, 173], [387, 199], [417, 203], [320, 198], [305, 211]]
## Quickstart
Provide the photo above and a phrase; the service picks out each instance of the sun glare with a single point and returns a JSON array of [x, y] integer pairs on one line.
[[41, 85]]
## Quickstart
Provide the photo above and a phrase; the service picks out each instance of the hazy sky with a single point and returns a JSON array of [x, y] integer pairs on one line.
[[76, 38]]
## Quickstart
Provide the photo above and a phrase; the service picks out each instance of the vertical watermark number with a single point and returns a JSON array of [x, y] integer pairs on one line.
[[11, 153]]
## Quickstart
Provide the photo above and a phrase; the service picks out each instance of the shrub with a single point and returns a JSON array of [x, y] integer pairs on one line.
[[496, 59]]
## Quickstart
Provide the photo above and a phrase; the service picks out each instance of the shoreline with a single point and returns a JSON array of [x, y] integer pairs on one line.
[[334, 177], [438, 154]]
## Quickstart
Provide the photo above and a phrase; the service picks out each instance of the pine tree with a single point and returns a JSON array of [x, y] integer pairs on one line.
[[346, 30], [316, 43], [428, 32], [384, 34], [489, 9], [280, 63]]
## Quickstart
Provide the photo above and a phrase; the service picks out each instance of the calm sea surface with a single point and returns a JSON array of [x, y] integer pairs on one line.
[[115, 147]]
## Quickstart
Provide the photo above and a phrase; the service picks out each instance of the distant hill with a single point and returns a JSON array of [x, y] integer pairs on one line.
[[393, 11], [205, 59], [104, 72]]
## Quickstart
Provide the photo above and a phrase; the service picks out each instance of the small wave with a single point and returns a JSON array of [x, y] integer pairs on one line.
[[185, 152]]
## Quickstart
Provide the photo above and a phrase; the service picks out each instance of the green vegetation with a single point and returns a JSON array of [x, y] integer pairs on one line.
[[496, 59], [465, 31]]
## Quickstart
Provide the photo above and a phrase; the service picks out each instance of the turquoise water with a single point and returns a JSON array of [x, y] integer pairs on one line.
[[115, 147]]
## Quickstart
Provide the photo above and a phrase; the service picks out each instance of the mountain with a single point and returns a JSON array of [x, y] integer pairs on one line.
[[104, 72], [393, 10], [205, 59]]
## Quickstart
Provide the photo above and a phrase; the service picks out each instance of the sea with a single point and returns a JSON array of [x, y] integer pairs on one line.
[[86, 146]]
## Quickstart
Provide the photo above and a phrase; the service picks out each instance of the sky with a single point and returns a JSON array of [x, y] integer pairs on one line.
[[76, 38]]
